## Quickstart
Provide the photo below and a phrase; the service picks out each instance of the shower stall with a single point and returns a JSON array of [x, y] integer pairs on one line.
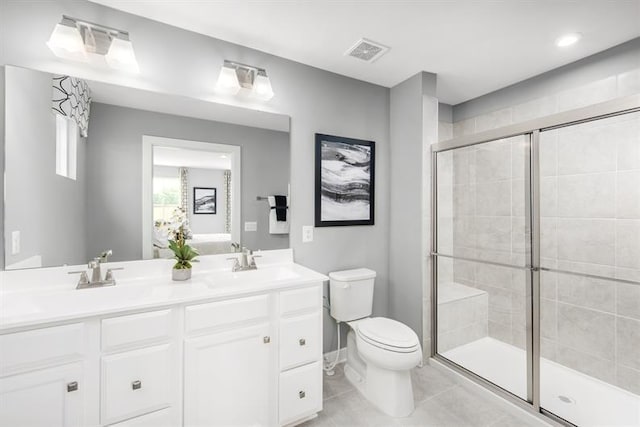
[[536, 262]]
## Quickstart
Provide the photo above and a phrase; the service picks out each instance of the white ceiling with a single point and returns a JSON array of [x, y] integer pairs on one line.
[[474, 46], [183, 158]]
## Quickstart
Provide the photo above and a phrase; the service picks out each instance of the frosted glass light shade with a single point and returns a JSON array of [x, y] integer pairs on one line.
[[262, 88], [66, 42], [228, 81], [121, 56]]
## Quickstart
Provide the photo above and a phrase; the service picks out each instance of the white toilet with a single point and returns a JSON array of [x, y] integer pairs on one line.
[[380, 351]]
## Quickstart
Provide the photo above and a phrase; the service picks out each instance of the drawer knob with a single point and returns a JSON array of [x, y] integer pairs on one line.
[[72, 386], [302, 341], [302, 394], [266, 340], [136, 385]]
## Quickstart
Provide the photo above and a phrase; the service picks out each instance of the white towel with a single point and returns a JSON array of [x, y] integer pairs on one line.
[[275, 226]]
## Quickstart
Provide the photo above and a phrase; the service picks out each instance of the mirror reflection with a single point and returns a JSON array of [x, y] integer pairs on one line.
[[91, 167]]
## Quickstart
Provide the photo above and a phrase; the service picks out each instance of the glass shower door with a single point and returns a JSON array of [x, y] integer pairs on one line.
[[590, 271], [482, 256]]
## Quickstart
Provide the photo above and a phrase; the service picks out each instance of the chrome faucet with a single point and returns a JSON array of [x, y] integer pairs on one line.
[[96, 273], [246, 261]]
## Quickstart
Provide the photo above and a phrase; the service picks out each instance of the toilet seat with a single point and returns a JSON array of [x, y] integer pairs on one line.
[[387, 334]]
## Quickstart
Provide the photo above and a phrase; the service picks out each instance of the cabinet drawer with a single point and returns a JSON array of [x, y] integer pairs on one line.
[[300, 393], [299, 340], [136, 382], [136, 328], [32, 349], [300, 299], [220, 313], [162, 418]]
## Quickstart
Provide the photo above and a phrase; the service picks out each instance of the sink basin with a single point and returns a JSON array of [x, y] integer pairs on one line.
[[250, 277]]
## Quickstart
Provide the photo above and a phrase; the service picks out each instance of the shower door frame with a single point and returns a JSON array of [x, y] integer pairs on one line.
[[531, 130]]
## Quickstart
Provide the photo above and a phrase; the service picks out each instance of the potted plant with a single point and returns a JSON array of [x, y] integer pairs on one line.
[[183, 254]]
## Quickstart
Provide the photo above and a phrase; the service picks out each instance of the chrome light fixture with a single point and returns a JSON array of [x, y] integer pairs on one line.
[[74, 39], [236, 78]]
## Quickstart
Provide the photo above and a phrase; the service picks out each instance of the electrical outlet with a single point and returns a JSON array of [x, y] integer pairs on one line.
[[15, 242], [307, 233], [250, 226]]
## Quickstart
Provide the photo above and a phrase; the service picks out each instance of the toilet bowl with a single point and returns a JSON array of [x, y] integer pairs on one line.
[[379, 364], [380, 352]]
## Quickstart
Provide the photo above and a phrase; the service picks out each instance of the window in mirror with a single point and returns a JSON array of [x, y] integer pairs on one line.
[[66, 147], [166, 197]]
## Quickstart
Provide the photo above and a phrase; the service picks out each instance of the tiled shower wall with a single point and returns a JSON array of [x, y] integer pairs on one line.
[[590, 200]]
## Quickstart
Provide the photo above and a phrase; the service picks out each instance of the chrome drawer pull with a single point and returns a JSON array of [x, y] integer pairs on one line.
[[302, 341], [301, 394], [73, 386], [136, 385], [266, 340]]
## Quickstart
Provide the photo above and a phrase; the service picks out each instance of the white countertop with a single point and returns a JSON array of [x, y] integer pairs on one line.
[[26, 302]]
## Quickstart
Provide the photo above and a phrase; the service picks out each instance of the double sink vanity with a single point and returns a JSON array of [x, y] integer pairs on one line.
[[224, 348]]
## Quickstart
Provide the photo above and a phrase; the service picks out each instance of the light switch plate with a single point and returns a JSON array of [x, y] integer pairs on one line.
[[250, 226], [307, 233], [15, 242]]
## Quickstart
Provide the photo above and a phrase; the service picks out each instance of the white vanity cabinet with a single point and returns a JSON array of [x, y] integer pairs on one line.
[[252, 359], [42, 378], [228, 359], [139, 366]]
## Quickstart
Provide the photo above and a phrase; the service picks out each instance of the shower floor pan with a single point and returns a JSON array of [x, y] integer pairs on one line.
[[572, 395]]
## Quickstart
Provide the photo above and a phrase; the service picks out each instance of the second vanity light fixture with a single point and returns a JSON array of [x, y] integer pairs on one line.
[[241, 78], [74, 39]]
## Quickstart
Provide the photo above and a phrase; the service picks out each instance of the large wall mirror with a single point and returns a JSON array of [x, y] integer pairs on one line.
[[91, 167]]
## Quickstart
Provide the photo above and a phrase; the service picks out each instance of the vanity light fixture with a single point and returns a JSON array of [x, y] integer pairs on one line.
[[568, 39], [74, 39], [237, 78]]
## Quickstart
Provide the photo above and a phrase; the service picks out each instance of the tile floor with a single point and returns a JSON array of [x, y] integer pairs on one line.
[[439, 402]]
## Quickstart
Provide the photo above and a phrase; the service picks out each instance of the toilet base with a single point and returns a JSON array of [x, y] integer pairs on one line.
[[389, 391]]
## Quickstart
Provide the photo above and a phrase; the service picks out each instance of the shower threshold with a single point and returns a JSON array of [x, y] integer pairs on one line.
[[572, 395]]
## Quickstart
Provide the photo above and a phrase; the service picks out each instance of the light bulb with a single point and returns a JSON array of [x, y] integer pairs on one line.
[[228, 81], [262, 87], [121, 56], [568, 39], [66, 42]]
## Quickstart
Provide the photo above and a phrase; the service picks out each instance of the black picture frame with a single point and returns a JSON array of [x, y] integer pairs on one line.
[[344, 203], [203, 199]]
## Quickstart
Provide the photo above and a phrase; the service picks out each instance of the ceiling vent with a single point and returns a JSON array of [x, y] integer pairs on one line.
[[367, 50]]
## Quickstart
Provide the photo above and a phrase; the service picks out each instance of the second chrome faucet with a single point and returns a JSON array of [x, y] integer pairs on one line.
[[245, 261]]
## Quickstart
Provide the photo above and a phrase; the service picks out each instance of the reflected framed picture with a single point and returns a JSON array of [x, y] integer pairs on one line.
[[345, 178], [204, 200]]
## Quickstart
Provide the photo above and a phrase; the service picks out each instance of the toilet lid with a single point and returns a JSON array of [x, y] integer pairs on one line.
[[388, 332]]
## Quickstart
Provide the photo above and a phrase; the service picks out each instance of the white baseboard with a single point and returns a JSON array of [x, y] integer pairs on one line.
[[331, 355]]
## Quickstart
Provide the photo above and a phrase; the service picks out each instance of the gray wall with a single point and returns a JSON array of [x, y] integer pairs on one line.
[[178, 61], [47, 209], [413, 124], [211, 223], [610, 62], [114, 157]]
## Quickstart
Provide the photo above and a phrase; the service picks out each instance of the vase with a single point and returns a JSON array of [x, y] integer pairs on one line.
[[181, 274]]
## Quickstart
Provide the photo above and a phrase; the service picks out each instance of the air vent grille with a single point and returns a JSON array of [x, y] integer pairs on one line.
[[367, 50]]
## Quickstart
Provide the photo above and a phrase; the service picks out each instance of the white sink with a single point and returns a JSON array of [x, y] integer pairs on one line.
[[251, 277]]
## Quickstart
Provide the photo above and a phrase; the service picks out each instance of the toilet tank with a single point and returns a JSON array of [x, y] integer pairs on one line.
[[351, 294]]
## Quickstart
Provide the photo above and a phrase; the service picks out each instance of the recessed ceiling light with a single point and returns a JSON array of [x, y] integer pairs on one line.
[[568, 39]]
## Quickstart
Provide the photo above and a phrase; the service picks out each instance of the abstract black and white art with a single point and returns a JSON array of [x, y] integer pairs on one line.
[[204, 200], [344, 181]]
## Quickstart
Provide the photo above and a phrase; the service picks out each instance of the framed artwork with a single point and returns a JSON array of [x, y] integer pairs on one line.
[[345, 178], [204, 200]]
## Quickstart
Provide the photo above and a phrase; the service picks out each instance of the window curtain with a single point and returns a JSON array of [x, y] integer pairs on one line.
[[72, 98], [227, 199], [184, 191]]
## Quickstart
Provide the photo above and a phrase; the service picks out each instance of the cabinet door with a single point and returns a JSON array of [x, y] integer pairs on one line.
[[227, 378], [48, 398]]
